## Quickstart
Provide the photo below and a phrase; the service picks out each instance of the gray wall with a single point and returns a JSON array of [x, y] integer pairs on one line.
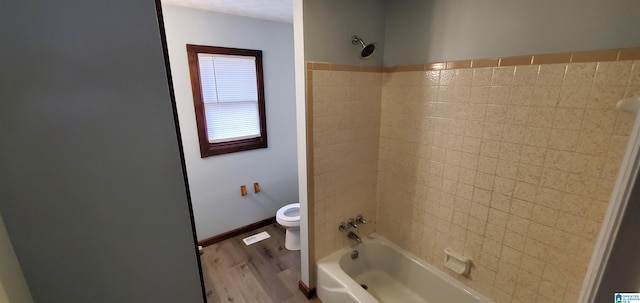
[[215, 181], [423, 31], [91, 182], [622, 273], [330, 24]]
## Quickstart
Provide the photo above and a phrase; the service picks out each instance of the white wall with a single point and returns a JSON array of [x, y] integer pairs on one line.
[[92, 187], [13, 287], [215, 181], [422, 31]]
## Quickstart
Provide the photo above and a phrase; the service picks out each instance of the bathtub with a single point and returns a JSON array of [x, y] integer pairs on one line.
[[389, 274]]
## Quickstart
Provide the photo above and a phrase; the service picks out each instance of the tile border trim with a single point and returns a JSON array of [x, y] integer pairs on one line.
[[553, 58]]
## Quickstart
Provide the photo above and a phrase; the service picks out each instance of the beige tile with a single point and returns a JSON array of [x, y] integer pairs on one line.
[[510, 151], [568, 118], [491, 247], [605, 96], [532, 265], [526, 75], [523, 294], [541, 116], [492, 131], [536, 249], [502, 76], [539, 233], [635, 72], [551, 74], [487, 165], [524, 191], [554, 179], [463, 77], [582, 185], [613, 73], [473, 129], [517, 114], [610, 168], [447, 77], [513, 133], [522, 209], [499, 94], [537, 136], [479, 94], [617, 146], [570, 223], [431, 77], [482, 196], [561, 139], [496, 113], [507, 169], [529, 174], [514, 240], [544, 215], [521, 95], [482, 76], [500, 202], [533, 155], [504, 186], [575, 205], [548, 197], [592, 143], [624, 124], [546, 95], [580, 73], [511, 255], [484, 181], [471, 145], [574, 96]]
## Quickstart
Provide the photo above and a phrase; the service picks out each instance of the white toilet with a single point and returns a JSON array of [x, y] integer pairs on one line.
[[289, 217]]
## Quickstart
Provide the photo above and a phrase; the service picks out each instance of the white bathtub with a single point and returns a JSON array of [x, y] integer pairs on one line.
[[390, 273]]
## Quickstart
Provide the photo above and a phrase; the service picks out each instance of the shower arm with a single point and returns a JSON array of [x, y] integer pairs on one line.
[[355, 40]]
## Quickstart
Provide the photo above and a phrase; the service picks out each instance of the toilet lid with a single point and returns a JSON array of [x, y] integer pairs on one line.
[[289, 212]]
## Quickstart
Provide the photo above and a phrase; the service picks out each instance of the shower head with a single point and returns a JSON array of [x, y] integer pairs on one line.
[[367, 49]]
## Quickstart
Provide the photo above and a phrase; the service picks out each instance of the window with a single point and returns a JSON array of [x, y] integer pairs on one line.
[[228, 94]]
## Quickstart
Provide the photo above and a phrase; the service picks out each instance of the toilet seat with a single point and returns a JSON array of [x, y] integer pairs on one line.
[[289, 215]]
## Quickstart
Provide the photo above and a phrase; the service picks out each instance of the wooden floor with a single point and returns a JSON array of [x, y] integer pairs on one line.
[[261, 272]]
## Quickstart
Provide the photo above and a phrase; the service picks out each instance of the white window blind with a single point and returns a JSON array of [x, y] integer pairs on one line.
[[230, 95]]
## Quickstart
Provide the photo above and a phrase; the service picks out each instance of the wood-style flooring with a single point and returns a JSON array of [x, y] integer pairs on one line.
[[261, 272]]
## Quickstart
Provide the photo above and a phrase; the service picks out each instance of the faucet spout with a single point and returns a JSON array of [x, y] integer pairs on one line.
[[353, 236]]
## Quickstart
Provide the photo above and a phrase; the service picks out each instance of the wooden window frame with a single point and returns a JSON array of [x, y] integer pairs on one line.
[[211, 149]]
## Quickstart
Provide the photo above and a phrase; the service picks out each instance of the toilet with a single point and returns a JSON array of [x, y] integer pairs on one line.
[[289, 217]]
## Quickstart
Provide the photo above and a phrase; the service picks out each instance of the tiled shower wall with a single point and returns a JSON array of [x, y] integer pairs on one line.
[[510, 166], [345, 112]]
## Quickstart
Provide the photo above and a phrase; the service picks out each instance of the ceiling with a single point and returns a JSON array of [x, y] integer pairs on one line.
[[276, 10]]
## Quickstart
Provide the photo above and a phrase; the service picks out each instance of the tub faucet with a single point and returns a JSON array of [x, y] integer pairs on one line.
[[351, 235], [352, 223]]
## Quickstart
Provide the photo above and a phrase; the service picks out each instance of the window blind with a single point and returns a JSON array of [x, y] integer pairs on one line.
[[230, 95]]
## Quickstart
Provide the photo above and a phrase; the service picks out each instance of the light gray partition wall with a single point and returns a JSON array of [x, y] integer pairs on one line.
[[92, 189], [421, 31], [329, 25]]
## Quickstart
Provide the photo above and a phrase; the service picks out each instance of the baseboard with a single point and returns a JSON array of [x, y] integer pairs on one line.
[[308, 292], [235, 232]]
